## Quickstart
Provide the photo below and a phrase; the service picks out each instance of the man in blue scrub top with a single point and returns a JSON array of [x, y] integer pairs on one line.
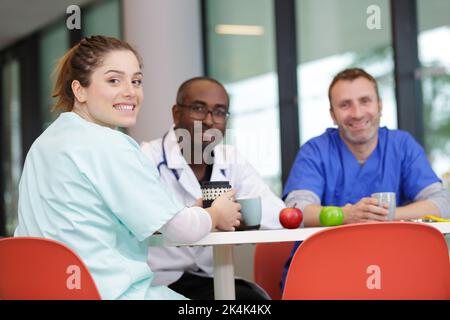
[[344, 166]]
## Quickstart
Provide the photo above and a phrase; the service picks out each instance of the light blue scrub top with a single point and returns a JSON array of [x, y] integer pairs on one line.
[[91, 188], [326, 166]]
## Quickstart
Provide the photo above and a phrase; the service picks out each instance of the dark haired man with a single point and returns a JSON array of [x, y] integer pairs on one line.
[[188, 154]]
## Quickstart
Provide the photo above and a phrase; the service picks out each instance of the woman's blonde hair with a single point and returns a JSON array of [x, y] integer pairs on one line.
[[79, 63]]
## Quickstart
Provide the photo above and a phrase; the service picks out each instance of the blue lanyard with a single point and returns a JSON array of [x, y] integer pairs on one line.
[[164, 161]]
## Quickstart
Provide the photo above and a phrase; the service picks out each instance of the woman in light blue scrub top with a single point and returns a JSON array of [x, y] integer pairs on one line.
[[88, 185]]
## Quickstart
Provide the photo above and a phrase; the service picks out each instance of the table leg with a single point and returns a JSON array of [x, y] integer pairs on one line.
[[224, 272]]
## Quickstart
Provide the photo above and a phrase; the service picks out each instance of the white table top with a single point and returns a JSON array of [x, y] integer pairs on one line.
[[259, 236]]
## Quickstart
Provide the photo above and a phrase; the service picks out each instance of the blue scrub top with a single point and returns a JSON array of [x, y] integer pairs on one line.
[[326, 166], [91, 188]]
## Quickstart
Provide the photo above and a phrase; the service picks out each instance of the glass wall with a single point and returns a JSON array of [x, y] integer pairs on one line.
[[240, 38], [333, 35], [12, 141], [434, 57], [53, 44], [103, 17]]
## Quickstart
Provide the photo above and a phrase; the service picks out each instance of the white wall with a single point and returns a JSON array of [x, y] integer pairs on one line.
[[167, 33]]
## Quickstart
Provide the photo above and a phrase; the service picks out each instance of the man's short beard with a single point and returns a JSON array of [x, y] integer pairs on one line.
[[356, 141]]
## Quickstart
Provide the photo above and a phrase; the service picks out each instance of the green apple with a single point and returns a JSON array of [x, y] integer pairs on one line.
[[331, 216]]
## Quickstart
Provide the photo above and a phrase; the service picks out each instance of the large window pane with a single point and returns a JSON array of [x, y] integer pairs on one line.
[[54, 43], [434, 56], [12, 141], [103, 18], [333, 35], [241, 54]]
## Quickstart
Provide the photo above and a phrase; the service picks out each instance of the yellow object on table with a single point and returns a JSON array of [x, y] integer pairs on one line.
[[436, 219]]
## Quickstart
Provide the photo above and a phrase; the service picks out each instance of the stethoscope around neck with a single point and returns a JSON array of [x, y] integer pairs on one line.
[[164, 160]]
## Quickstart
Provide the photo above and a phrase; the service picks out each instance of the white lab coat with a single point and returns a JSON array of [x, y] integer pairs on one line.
[[169, 263]]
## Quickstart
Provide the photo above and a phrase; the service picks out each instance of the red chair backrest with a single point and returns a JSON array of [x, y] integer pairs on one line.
[[36, 268], [269, 264], [391, 260]]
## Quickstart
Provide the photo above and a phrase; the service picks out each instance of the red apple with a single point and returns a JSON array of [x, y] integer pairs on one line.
[[291, 218]]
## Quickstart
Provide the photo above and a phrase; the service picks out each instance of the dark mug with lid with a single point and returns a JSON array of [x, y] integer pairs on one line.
[[211, 190]]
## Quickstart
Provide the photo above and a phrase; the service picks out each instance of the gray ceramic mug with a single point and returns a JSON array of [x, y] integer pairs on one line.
[[251, 213], [386, 198]]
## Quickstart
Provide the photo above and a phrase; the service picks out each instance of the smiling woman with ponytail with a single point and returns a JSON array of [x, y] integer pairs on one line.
[[89, 186]]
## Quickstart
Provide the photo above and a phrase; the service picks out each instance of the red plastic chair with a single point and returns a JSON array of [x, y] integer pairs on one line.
[[269, 264], [36, 268], [392, 260]]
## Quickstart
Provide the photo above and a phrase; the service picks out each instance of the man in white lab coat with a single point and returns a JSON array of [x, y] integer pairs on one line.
[[200, 117]]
